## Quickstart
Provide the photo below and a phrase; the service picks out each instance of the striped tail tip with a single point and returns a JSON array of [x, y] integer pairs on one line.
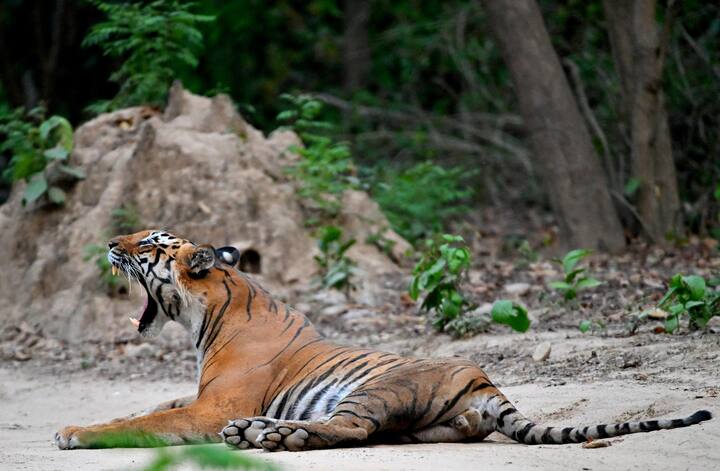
[[699, 416]]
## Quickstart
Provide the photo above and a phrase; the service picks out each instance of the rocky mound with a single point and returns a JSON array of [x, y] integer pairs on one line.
[[198, 170]]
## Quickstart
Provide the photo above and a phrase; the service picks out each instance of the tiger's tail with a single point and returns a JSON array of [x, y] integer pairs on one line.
[[513, 424]]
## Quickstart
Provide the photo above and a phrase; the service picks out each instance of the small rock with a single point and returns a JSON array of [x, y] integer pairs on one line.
[[332, 311], [627, 361], [517, 289], [657, 314], [542, 352], [22, 354]]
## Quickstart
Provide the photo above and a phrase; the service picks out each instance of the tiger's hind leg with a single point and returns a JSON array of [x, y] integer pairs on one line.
[[467, 426]]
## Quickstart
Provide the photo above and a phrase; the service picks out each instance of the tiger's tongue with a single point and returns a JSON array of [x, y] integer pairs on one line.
[[136, 321]]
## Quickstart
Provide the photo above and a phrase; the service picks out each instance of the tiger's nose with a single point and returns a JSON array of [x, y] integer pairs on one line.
[[113, 243]]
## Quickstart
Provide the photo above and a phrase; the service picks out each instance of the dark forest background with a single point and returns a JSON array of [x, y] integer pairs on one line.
[[452, 95]]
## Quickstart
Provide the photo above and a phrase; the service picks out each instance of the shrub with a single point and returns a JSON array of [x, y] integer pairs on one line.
[[419, 200], [691, 296], [438, 276], [336, 269], [33, 143], [574, 279], [153, 40], [325, 169]]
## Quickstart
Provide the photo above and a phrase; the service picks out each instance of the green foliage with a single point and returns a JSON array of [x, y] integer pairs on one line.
[[689, 295], [419, 200], [512, 314], [438, 276], [575, 279], [166, 459], [336, 269], [206, 457], [34, 142], [154, 41], [325, 168], [587, 325]]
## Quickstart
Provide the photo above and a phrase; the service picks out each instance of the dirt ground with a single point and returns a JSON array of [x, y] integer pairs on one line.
[[667, 377]]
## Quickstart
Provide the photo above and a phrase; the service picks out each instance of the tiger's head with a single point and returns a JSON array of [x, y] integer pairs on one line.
[[174, 272]]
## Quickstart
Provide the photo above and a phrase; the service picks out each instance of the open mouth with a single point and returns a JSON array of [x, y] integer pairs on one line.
[[150, 308]]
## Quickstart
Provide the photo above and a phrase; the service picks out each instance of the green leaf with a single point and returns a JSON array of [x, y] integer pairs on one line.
[[35, 189], [61, 129], [585, 325], [286, 115], [587, 283], [691, 304], [696, 285], [676, 309], [76, 172], [572, 258], [56, 195], [509, 313], [631, 187], [452, 238], [560, 285], [56, 153], [671, 323], [571, 276]]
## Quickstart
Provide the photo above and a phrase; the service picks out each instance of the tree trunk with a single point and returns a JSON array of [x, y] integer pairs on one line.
[[356, 51], [562, 149], [639, 56]]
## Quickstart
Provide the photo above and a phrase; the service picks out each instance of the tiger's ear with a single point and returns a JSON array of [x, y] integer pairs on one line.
[[201, 260], [229, 255]]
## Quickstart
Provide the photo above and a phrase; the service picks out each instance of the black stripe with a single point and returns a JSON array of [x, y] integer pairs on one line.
[[215, 329], [521, 434], [450, 404], [251, 296], [565, 438], [287, 394], [320, 379], [501, 417], [305, 415], [204, 325], [481, 386], [601, 431]]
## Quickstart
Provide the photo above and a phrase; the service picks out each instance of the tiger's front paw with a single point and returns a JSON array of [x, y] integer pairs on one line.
[[70, 438]]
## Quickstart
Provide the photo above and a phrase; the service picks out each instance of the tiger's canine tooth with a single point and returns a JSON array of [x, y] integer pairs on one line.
[[134, 322]]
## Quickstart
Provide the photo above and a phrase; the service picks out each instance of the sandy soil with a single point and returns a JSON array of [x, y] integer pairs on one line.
[[36, 402]]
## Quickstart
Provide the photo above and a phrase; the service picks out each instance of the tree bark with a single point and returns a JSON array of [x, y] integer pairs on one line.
[[356, 49], [562, 149], [639, 55]]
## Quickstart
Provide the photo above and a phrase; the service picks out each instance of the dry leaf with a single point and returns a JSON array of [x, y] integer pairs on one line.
[[595, 444]]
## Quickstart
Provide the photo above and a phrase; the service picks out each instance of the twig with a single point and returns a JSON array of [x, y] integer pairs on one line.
[[623, 201], [592, 121], [700, 52]]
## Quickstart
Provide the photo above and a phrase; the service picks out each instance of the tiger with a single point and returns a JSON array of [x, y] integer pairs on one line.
[[268, 379]]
